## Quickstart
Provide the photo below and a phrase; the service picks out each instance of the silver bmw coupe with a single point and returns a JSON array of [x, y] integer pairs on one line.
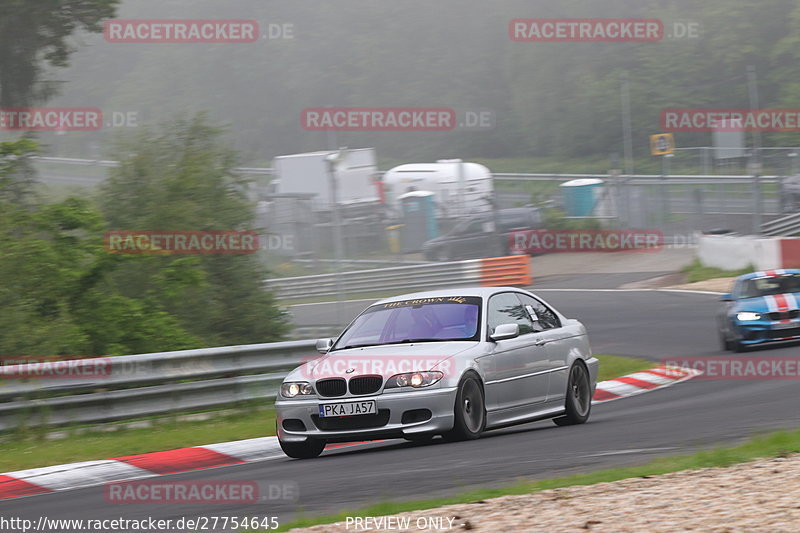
[[449, 362]]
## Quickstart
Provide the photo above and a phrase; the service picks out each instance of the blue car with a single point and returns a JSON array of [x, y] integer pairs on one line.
[[763, 307]]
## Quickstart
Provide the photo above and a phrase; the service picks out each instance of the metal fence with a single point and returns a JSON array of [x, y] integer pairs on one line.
[[117, 388]]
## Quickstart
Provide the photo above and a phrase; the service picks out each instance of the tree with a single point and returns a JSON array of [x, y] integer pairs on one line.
[[179, 177], [32, 33]]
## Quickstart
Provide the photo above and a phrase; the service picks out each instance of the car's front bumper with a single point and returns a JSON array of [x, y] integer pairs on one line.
[[762, 331], [439, 401]]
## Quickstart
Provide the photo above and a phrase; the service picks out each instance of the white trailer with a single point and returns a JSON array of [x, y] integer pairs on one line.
[[460, 188], [308, 174]]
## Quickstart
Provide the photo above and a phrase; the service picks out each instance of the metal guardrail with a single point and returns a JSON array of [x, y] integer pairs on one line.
[[634, 179], [513, 270], [787, 226], [147, 384], [266, 171]]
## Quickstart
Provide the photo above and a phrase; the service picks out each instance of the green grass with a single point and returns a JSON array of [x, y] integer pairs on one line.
[[30, 449], [697, 272], [614, 366], [778, 444]]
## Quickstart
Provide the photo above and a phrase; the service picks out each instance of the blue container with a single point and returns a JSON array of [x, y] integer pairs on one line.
[[580, 196]]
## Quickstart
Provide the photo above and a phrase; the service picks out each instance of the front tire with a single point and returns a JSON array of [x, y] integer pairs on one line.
[[303, 450], [579, 397], [724, 343], [469, 411]]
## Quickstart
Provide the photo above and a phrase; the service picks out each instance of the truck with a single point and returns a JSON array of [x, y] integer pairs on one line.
[[308, 174], [460, 188]]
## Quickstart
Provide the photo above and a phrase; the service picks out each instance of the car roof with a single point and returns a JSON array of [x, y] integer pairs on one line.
[[482, 292], [769, 273]]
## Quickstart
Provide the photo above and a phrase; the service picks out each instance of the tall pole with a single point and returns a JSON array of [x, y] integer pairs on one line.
[[626, 124], [333, 160], [755, 156], [627, 144]]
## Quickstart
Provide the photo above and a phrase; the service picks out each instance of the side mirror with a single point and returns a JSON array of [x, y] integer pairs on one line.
[[726, 297], [324, 345], [505, 331]]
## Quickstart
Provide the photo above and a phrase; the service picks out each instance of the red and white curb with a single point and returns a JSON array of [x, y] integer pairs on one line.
[[640, 382], [133, 467]]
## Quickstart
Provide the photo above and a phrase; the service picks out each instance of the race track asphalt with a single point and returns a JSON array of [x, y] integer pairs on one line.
[[680, 419]]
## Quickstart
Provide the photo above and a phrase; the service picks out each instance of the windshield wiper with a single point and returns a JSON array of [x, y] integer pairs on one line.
[[354, 346], [406, 341]]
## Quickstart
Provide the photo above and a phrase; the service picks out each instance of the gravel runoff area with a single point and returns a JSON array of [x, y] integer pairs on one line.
[[757, 496]]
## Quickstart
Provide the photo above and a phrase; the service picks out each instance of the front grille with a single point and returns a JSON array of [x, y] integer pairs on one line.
[[781, 333], [784, 315], [365, 384], [345, 423], [331, 387]]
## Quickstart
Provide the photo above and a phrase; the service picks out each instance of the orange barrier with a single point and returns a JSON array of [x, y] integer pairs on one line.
[[509, 270]]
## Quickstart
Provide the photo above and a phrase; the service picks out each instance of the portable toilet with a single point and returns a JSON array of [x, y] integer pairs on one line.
[[581, 195], [419, 219]]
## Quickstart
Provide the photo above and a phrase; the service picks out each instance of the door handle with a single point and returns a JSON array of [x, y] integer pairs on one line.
[[539, 342]]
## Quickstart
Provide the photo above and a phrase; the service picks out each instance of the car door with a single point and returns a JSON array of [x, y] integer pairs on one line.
[[519, 374], [471, 240], [557, 340]]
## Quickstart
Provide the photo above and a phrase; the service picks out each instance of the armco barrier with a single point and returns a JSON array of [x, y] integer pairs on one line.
[[147, 384], [511, 270]]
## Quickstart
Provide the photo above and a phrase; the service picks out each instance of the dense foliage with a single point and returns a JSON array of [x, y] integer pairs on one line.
[[63, 293], [550, 99]]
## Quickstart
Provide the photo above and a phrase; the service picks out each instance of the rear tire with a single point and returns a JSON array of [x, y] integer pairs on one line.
[[579, 397], [303, 450], [469, 411]]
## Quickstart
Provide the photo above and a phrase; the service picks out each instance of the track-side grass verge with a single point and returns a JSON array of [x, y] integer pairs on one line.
[[697, 272], [777, 444]]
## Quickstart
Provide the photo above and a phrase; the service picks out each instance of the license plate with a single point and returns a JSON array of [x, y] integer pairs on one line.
[[784, 325], [348, 409]]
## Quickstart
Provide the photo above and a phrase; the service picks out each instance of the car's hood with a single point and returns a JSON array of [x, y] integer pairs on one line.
[[767, 304], [385, 361]]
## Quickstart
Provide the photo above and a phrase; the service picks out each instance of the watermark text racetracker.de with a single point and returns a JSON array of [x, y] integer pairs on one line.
[[549, 241], [573, 30], [149, 492], [194, 31], [386, 365], [431, 119], [730, 119], [54, 367], [739, 367], [63, 119], [195, 242]]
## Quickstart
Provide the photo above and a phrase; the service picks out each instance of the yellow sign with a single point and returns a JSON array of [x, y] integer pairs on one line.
[[662, 144]]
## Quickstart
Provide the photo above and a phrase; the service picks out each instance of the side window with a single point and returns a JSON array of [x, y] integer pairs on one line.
[[547, 318], [505, 308]]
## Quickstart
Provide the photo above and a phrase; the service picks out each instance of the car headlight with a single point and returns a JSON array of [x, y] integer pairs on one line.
[[745, 316], [295, 388], [414, 379]]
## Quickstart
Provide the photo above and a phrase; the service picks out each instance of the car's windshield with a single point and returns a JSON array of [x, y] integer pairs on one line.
[[753, 288], [427, 319]]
